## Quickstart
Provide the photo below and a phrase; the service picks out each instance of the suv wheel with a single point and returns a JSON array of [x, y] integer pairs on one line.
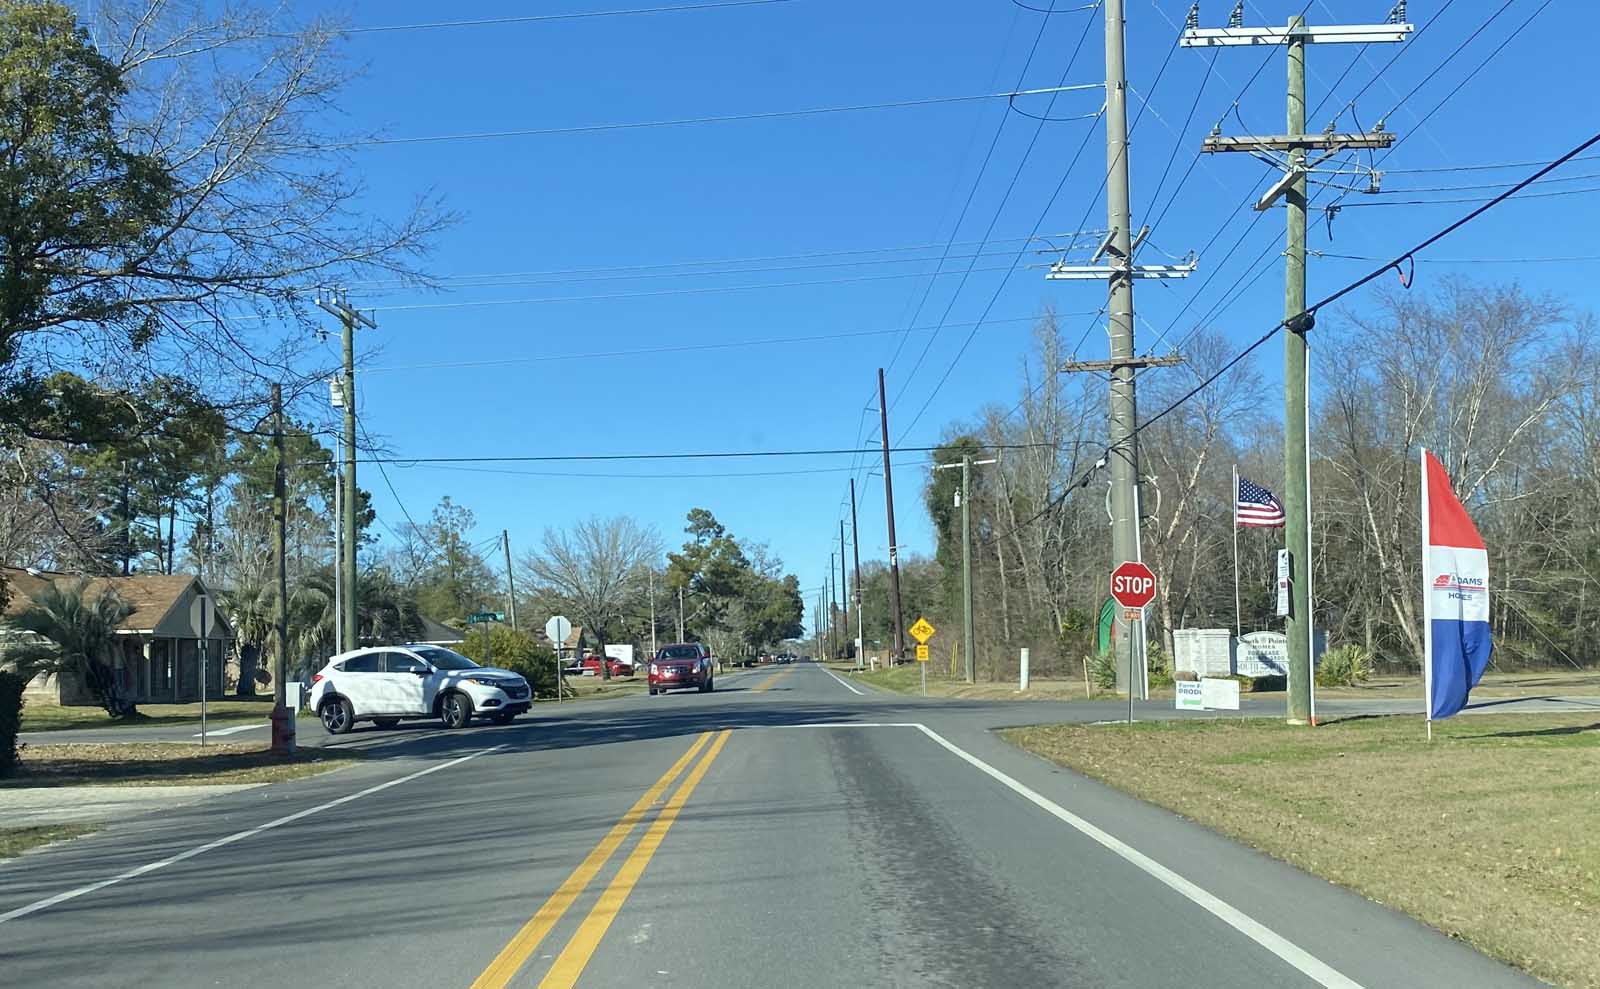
[[456, 710], [337, 716]]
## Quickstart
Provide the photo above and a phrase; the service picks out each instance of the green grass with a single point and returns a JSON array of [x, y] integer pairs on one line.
[[1509, 859], [15, 841], [54, 717], [168, 763]]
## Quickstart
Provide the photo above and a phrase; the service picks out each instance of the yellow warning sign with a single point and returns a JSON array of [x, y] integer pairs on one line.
[[922, 631], [922, 653]]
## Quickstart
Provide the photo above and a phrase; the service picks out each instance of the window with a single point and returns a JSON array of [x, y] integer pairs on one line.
[[399, 662], [444, 659], [681, 652], [370, 663]]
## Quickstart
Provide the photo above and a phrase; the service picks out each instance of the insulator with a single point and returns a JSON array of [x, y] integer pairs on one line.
[[1236, 19], [1193, 20]]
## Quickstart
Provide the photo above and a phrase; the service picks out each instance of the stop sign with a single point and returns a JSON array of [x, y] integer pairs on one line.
[[1133, 585]]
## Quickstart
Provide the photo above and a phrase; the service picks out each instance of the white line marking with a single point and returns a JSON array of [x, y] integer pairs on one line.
[[1301, 960], [148, 867], [847, 684], [236, 729]]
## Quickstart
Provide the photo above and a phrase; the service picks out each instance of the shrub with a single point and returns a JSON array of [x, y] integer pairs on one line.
[[1345, 666], [10, 720], [1156, 662], [518, 652], [1103, 668]]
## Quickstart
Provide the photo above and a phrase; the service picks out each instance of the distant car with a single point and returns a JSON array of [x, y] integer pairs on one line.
[[385, 684], [683, 664], [619, 667], [786, 658]]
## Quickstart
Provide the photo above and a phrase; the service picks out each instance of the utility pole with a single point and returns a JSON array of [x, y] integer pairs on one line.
[[844, 591], [283, 719], [511, 580], [1124, 504], [855, 549], [333, 302], [832, 596], [964, 499], [1291, 188], [652, 582], [898, 652], [680, 615]]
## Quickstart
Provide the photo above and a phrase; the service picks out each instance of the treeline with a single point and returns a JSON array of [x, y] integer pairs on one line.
[[1501, 385]]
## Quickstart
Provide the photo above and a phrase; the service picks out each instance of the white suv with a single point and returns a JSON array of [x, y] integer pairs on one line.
[[383, 684]]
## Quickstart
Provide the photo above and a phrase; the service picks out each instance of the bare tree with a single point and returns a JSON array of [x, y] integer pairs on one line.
[[597, 568]]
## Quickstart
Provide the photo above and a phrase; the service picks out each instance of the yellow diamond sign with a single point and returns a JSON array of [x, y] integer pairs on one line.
[[922, 631]]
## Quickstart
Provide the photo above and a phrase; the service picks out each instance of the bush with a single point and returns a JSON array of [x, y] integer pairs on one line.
[[1345, 666], [1156, 662], [1103, 668], [10, 720], [518, 652]]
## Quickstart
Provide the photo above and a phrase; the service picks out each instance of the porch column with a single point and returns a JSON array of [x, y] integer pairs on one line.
[[172, 657]]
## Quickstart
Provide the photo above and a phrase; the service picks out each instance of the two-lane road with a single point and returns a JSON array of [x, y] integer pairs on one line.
[[787, 830]]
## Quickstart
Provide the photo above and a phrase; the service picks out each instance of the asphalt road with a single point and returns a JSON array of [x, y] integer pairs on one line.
[[783, 831]]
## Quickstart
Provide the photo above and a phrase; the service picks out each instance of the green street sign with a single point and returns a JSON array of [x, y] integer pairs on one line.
[[486, 616]]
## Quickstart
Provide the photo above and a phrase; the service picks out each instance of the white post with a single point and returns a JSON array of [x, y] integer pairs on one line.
[[1427, 603], [1238, 621], [1024, 683]]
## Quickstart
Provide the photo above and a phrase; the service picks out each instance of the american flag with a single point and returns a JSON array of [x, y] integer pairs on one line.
[[1257, 507]]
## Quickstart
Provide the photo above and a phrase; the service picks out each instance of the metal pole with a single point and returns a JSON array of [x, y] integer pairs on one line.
[[283, 719], [202, 677], [352, 633], [899, 651], [969, 641], [511, 580], [680, 615], [1124, 414], [1238, 621], [855, 548], [652, 615], [338, 551], [1296, 441]]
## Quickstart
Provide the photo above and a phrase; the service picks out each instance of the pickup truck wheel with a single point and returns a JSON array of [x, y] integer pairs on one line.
[[456, 710], [337, 715]]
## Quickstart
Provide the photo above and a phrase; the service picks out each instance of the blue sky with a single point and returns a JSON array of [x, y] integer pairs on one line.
[[612, 203]]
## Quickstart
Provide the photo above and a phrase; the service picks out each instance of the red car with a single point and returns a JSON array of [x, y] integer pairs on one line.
[[591, 667], [683, 664]]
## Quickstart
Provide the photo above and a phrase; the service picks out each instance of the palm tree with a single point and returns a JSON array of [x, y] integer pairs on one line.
[[385, 614], [250, 612], [72, 633]]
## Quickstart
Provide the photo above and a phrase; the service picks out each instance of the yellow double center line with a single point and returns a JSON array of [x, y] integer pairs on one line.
[[578, 951], [767, 685]]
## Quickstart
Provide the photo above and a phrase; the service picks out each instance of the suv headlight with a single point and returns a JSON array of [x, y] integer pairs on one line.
[[486, 681]]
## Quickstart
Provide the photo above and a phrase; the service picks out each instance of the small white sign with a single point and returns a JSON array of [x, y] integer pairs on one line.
[[293, 691], [1219, 695], [1189, 696], [1283, 583]]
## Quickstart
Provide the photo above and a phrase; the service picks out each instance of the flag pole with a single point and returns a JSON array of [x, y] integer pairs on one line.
[[1238, 622], [1427, 603]]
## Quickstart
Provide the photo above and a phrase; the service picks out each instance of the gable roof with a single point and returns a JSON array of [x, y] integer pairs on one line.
[[152, 595], [439, 634]]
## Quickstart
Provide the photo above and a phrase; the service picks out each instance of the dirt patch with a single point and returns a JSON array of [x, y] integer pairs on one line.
[[1491, 833]]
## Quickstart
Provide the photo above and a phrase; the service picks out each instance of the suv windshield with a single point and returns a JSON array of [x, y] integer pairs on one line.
[[444, 659], [680, 652]]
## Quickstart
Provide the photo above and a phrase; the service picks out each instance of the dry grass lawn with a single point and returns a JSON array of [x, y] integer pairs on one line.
[[1490, 834], [166, 763], [15, 841], [907, 679], [54, 717]]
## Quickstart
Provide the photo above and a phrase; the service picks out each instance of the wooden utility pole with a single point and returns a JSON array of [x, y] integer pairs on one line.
[[1299, 627], [333, 302], [511, 580], [844, 590], [1118, 248], [832, 596], [855, 548], [898, 652], [283, 719]]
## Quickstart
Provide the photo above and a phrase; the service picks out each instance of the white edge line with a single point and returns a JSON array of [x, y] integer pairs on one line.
[[236, 729], [148, 867], [847, 684], [1298, 958]]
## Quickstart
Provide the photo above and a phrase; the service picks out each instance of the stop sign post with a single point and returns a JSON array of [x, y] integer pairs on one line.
[[1134, 586]]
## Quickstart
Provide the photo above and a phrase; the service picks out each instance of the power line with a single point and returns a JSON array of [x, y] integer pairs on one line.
[[702, 290], [655, 476], [703, 455], [540, 18], [714, 118]]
